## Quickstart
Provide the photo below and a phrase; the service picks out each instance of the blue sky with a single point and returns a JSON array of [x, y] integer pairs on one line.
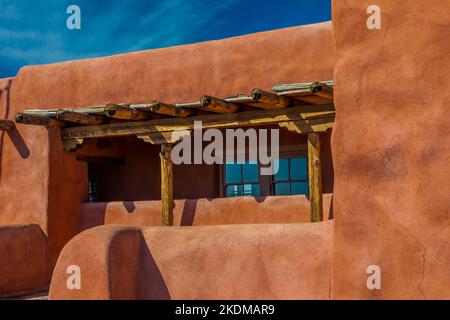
[[35, 32]]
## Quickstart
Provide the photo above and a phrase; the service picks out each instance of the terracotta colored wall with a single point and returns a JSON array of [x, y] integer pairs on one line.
[[40, 185], [200, 212], [391, 150], [221, 262], [22, 262]]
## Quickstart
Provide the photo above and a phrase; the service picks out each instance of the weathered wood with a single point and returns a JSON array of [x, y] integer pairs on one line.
[[269, 100], [39, 120], [307, 126], [169, 110], [166, 185], [306, 86], [322, 89], [239, 119], [6, 125], [161, 137], [125, 112], [218, 105], [75, 116], [315, 177], [70, 145]]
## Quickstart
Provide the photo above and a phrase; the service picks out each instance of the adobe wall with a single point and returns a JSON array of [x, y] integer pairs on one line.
[[41, 185], [391, 147], [202, 212], [271, 261]]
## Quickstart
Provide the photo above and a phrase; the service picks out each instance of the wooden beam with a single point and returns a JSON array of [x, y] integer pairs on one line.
[[315, 177], [75, 116], [125, 112], [39, 120], [161, 137], [322, 89], [229, 120], [269, 100], [166, 185], [169, 110], [217, 105], [305, 86], [6, 125]]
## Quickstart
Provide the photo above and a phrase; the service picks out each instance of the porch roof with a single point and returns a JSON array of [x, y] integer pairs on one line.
[[300, 107]]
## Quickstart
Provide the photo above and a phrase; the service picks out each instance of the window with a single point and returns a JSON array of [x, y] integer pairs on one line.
[[291, 178], [242, 179], [245, 180]]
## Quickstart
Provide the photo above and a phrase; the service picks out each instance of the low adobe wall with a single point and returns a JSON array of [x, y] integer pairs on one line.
[[22, 262], [201, 212], [391, 150], [284, 261]]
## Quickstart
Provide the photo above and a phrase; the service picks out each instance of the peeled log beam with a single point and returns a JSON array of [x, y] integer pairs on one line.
[[217, 105], [75, 116], [37, 120], [322, 89], [166, 185], [315, 177], [125, 112], [269, 100], [169, 110], [6, 125]]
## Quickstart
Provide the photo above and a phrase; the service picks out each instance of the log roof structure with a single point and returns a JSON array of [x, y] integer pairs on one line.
[[299, 107]]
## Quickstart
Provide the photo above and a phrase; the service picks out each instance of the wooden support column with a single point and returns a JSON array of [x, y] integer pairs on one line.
[[166, 184], [315, 177]]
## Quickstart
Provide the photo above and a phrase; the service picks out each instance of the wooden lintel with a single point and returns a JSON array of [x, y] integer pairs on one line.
[[309, 125], [163, 137], [70, 145], [217, 105], [169, 110], [39, 120], [315, 177], [75, 116], [269, 100], [228, 120], [125, 112], [6, 125], [167, 203]]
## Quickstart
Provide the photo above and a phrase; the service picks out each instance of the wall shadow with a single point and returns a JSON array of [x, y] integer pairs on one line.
[[151, 284], [188, 215], [18, 142]]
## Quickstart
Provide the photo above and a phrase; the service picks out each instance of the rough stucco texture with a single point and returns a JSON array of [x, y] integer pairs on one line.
[[212, 262], [391, 147]]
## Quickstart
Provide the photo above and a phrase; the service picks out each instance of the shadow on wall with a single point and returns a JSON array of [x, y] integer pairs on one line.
[[150, 280], [13, 133]]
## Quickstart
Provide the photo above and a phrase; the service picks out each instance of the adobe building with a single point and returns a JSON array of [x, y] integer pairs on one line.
[[86, 177]]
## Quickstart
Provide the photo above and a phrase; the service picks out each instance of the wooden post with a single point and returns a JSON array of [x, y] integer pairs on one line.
[[315, 177], [166, 184]]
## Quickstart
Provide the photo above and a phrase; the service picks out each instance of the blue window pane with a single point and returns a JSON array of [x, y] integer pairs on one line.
[[282, 189], [283, 170], [252, 190], [233, 173], [299, 169], [299, 188], [234, 190], [250, 172]]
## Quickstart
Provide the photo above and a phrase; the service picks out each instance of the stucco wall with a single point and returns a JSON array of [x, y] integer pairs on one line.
[[198, 212], [220, 262], [391, 148], [39, 184]]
